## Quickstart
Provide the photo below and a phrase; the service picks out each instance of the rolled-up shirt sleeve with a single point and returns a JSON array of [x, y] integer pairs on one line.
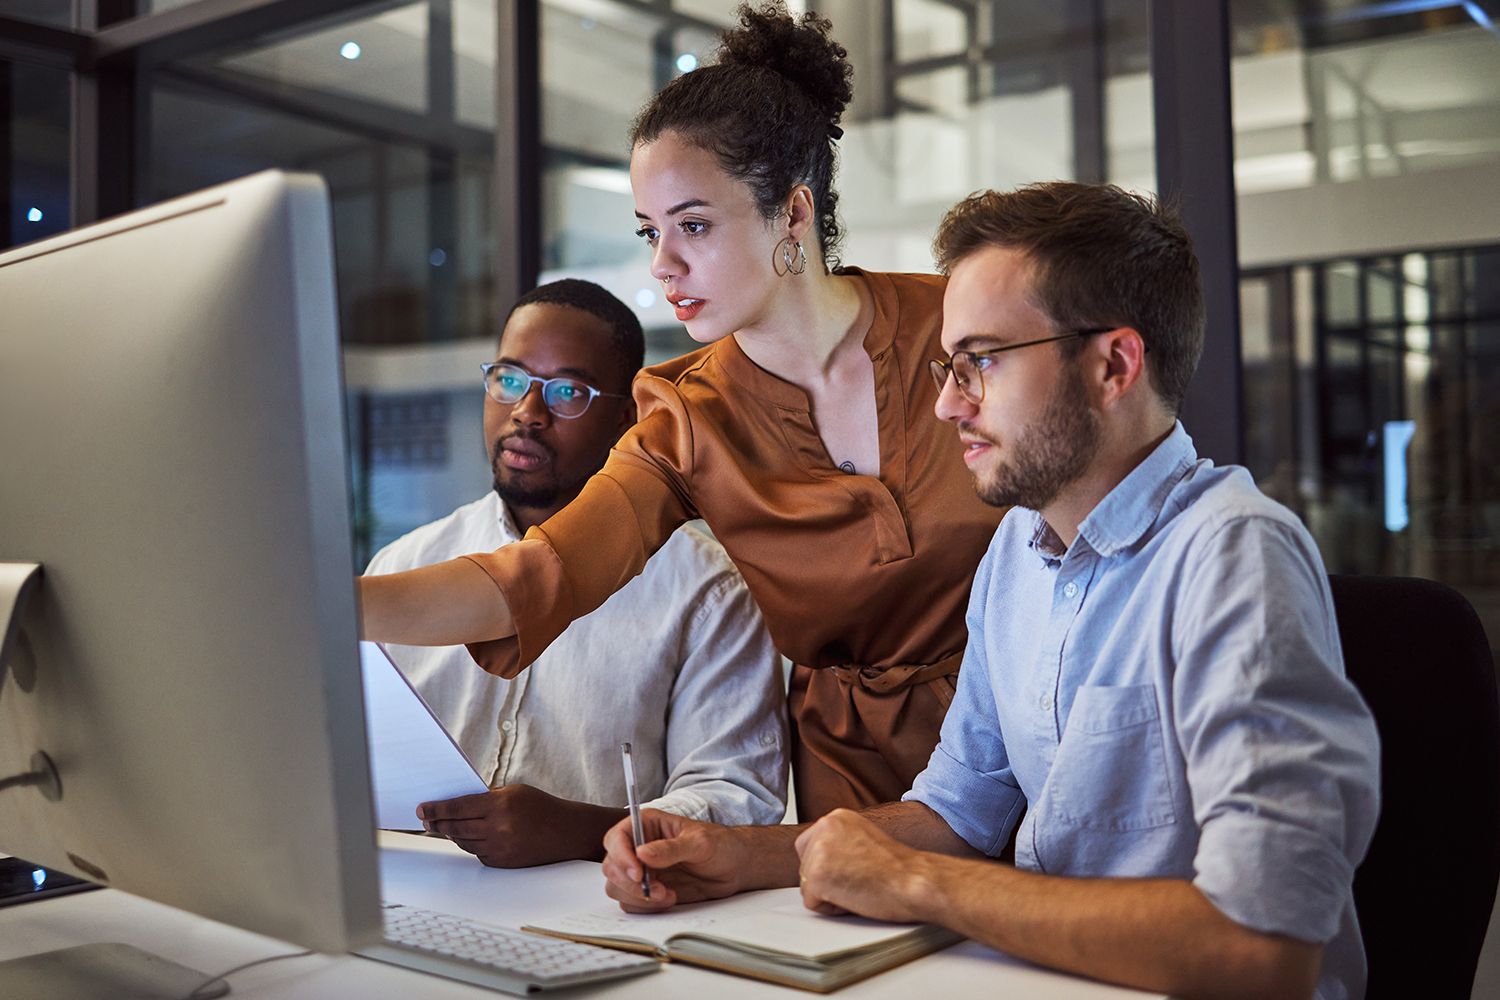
[[968, 779], [1281, 752], [726, 741], [570, 564]]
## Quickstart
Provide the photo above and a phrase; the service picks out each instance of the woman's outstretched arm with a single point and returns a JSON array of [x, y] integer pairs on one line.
[[440, 605]]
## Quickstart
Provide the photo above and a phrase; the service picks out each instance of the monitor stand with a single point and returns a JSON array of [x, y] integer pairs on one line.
[[117, 971], [18, 581]]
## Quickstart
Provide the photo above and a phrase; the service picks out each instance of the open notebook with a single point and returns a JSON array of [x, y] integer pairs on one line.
[[767, 935]]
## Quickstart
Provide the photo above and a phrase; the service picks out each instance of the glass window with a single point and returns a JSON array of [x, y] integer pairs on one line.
[[389, 109], [1364, 137], [34, 151], [1332, 92], [57, 13]]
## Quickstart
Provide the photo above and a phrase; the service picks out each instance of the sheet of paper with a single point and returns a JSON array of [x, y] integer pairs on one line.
[[412, 757]]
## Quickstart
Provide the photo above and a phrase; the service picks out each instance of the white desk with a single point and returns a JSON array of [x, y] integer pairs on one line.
[[435, 874]]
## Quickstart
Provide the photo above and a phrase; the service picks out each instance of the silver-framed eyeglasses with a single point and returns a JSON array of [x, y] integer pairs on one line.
[[565, 397], [967, 367]]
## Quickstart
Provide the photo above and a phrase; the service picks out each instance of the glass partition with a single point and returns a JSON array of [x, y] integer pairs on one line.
[[1367, 140], [34, 149]]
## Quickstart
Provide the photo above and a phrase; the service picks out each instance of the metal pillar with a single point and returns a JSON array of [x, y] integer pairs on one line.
[[1195, 165], [518, 145], [442, 171]]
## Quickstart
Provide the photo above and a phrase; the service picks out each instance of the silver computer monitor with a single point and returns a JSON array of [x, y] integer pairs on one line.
[[172, 453]]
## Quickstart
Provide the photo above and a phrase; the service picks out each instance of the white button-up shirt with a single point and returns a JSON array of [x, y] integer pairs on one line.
[[678, 662]]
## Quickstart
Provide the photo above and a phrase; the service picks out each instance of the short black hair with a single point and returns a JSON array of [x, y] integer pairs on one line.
[[627, 338]]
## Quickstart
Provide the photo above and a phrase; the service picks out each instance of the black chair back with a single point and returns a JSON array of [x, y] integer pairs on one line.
[[1424, 894]]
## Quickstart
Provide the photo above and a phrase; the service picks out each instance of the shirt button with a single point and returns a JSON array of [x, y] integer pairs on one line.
[[1046, 703], [1071, 590], [507, 725]]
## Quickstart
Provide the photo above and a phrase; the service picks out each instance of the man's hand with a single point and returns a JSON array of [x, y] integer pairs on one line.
[[689, 861], [850, 865], [518, 826]]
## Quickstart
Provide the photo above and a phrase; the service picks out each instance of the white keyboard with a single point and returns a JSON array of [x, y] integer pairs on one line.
[[493, 957]]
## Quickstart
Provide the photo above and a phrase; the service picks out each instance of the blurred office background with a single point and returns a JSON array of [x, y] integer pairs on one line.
[[475, 147]]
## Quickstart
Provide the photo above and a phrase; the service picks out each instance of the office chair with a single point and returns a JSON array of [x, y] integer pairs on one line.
[[1418, 653]]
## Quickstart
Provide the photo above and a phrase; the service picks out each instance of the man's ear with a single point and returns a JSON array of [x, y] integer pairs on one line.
[[1124, 354], [627, 417]]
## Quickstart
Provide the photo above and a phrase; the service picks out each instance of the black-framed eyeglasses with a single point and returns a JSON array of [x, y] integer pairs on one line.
[[565, 397], [967, 367]]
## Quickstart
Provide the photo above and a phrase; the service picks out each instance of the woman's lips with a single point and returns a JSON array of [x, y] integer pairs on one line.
[[686, 306]]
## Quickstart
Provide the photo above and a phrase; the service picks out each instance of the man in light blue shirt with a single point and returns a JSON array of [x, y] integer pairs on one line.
[[1153, 675]]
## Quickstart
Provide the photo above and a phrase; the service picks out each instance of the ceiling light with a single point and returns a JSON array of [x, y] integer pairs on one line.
[[350, 50], [35, 215], [645, 298], [687, 62]]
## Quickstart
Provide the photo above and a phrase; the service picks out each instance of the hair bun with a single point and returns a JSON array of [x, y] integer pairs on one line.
[[799, 49]]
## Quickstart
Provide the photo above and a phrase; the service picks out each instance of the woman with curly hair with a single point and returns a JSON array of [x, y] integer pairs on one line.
[[803, 433]]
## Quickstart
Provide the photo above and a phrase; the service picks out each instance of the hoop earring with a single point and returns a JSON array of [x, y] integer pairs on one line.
[[793, 265]]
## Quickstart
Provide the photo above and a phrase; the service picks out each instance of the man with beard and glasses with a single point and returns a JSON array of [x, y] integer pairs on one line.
[[678, 661], [1153, 673]]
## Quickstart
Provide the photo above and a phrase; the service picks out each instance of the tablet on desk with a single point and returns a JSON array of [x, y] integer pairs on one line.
[[21, 881], [413, 759]]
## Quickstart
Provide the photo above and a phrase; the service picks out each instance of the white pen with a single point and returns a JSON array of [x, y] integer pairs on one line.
[[636, 829]]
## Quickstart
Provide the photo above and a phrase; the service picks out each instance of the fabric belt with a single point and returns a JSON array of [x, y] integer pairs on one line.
[[883, 680]]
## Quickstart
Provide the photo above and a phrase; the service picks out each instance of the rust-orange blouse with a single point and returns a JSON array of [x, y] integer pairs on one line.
[[868, 575]]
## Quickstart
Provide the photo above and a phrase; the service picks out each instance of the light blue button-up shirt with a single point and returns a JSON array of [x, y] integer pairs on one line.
[[1168, 697]]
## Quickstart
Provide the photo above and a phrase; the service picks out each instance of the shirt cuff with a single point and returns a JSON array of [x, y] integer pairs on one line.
[[980, 808], [1272, 877], [690, 805]]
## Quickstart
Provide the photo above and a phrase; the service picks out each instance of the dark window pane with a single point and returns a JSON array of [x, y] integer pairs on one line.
[[34, 149], [58, 13], [1341, 295]]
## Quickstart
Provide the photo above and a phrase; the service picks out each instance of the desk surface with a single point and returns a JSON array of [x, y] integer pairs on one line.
[[435, 874]]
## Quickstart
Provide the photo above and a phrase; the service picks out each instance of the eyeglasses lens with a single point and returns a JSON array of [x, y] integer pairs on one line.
[[507, 385], [964, 373], [565, 397], [967, 375]]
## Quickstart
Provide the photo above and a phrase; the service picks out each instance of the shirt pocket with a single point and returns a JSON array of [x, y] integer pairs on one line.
[[1110, 773]]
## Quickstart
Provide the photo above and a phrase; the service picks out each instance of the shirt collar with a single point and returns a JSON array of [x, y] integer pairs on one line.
[[1129, 510], [503, 516]]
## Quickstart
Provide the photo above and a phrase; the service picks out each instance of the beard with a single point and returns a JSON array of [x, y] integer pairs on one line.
[[1049, 453], [541, 494]]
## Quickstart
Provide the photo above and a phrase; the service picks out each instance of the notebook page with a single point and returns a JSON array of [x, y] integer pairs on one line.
[[772, 919]]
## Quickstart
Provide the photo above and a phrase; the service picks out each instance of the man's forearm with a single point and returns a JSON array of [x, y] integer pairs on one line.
[[917, 825], [1156, 934], [583, 828], [443, 604], [769, 854]]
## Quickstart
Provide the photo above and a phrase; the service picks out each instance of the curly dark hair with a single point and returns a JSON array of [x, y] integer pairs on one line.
[[769, 109], [626, 337]]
